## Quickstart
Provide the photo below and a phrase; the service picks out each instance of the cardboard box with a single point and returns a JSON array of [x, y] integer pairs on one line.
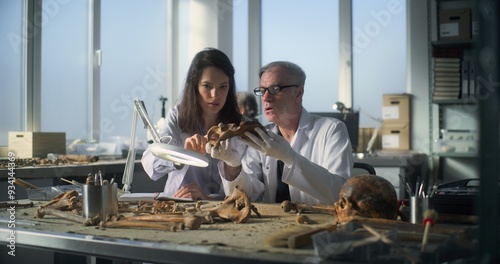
[[396, 108], [395, 136], [455, 24], [36, 144]]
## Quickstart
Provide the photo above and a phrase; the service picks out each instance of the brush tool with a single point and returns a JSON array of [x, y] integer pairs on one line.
[[430, 217]]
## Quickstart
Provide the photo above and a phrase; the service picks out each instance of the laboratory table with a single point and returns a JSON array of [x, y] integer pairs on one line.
[[220, 242]]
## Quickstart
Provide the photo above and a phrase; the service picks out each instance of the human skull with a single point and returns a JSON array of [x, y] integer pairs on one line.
[[368, 196]]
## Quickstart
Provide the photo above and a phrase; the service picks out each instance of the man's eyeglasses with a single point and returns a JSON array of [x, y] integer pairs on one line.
[[260, 91]]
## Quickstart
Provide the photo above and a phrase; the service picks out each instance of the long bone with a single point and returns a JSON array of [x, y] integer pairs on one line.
[[189, 220], [169, 226], [288, 206], [41, 212]]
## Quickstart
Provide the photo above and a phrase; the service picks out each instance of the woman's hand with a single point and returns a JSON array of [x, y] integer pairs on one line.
[[192, 191], [196, 143]]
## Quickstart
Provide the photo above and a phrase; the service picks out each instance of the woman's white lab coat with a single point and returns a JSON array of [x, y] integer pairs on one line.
[[207, 178], [316, 175]]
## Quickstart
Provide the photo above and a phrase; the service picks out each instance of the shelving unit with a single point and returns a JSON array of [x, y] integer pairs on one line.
[[451, 162]]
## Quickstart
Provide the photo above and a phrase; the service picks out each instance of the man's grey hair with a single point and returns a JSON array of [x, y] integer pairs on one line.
[[292, 68]]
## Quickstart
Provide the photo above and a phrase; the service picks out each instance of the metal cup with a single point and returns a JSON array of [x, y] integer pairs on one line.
[[91, 200], [418, 207], [110, 204], [99, 200]]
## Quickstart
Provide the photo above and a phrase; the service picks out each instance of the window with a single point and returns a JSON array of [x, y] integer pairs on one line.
[[134, 41], [134, 55], [379, 54], [11, 68], [65, 68], [240, 43], [133, 48], [306, 34]]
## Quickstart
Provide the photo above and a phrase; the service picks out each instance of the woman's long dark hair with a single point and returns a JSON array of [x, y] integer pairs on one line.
[[190, 111]]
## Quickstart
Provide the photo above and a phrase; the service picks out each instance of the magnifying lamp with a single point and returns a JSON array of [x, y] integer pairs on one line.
[[159, 149], [341, 107]]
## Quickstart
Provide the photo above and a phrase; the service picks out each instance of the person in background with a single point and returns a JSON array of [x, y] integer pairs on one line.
[[300, 157], [209, 98], [248, 105]]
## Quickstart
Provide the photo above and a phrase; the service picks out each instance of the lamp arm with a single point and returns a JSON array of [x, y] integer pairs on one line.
[[375, 132], [372, 140], [128, 173], [164, 151], [141, 110], [379, 121]]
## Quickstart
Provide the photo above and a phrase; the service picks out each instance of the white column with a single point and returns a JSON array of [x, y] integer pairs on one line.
[[210, 25], [345, 53], [254, 42]]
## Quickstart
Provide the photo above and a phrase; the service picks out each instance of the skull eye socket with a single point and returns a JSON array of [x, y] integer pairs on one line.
[[343, 202]]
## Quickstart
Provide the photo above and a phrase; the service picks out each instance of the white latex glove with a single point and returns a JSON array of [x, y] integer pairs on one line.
[[225, 153], [271, 144]]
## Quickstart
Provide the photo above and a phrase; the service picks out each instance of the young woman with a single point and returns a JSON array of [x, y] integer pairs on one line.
[[209, 98]]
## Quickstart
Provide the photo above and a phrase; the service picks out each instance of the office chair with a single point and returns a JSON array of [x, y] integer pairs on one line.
[[365, 167]]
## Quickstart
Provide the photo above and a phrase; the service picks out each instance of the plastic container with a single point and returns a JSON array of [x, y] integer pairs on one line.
[[48, 193], [458, 146]]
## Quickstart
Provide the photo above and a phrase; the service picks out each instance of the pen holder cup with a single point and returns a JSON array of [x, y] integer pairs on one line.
[[99, 200], [418, 207], [111, 207]]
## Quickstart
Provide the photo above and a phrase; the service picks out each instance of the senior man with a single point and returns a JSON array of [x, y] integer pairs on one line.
[[300, 157]]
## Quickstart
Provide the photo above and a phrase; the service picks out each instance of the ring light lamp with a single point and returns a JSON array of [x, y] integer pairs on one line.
[[159, 149], [178, 154]]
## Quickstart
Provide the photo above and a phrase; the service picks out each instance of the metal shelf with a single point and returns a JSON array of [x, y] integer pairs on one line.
[[454, 44], [456, 155], [465, 101], [440, 109]]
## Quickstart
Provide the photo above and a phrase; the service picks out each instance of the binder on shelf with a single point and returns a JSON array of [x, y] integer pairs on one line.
[[472, 79], [447, 60], [454, 79], [449, 94], [447, 69], [447, 74], [444, 97], [448, 84], [465, 79], [454, 65], [447, 88]]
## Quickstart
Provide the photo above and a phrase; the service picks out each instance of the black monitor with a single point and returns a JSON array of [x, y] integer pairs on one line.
[[351, 121]]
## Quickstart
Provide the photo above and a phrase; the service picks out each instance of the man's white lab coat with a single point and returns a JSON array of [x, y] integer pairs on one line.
[[316, 175]]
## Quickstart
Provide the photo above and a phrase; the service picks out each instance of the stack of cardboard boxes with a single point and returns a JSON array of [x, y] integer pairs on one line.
[[395, 132]]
